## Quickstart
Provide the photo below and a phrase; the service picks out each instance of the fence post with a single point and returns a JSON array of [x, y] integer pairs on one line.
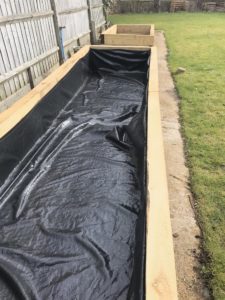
[[57, 32], [31, 81], [93, 30], [91, 24]]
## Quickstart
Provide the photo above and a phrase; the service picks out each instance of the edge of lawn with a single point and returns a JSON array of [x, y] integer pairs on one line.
[[205, 258]]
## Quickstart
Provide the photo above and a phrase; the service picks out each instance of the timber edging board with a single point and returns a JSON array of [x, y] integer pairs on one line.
[[160, 275], [130, 35]]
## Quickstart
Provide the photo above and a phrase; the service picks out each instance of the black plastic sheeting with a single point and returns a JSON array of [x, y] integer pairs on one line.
[[72, 195]]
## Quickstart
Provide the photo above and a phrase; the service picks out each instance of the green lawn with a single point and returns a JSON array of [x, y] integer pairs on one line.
[[197, 42]]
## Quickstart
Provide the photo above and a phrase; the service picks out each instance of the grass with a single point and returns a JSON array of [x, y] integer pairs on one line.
[[197, 42]]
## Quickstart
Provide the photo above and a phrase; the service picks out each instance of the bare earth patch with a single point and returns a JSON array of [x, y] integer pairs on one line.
[[186, 233]]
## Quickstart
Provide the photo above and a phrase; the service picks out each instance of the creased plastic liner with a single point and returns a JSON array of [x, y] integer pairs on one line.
[[72, 186]]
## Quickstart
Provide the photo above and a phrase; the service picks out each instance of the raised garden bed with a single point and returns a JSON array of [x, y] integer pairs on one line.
[[84, 208], [133, 35]]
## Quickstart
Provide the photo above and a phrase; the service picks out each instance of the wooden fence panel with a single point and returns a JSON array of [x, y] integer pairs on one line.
[[97, 13], [27, 38], [73, 15], [30, 39]]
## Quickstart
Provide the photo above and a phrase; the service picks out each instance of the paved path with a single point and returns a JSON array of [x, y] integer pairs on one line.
[[185, 229]]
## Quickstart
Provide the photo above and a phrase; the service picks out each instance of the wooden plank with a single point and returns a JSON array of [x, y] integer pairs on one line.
[[30, 45], [73, 10], [2, 92], [74, 39], [38, 34], [10, 117], [136, 48], [152, 31], [21, 40], [24, 17], [100, 24], [125, 34], [11, 99], [16, 29], [35, 44], [28, 64], [34, 71], [8, 46], [160, 265], [47, 39], [7, 59], [51, 35], [97, 15], [57, 33], [43, 33], [14, 61], [50, 40], [5, 65], [111, 30], [90, 21], [128, 39], [134, 28], [97, 6], [131, 28], [14, 41]]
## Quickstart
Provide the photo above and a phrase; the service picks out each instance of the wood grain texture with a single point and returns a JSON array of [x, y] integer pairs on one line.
[[140, 48], [73, 16], [27, 33], [96, 12], [23, 24], [10, 117], [134, 29], [127, 34], [160, 265]]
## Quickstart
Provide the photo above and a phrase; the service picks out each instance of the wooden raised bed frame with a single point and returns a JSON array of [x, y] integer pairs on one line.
[[160, 266], [130, 35]]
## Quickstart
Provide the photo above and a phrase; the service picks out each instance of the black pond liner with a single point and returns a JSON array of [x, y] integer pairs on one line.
[[72, 186]]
